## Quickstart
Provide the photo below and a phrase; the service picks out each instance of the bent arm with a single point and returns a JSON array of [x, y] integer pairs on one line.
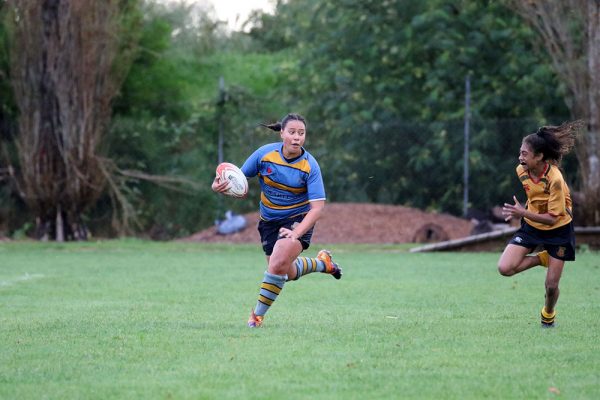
[[516, 210], [546, 219], [311, 218]]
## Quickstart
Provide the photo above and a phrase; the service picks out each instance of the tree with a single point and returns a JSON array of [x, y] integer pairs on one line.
[[570, 32], [169, 112], [68, 60], [382, 83]]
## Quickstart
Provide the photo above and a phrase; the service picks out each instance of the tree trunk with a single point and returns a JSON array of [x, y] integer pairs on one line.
[[592, 171], [64, 78], [60, 230], [570, 32]]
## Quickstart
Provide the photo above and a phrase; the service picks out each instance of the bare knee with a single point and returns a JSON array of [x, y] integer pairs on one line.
[[278, 266], [283, 256], [505, 269], [510, 261], [280, 263]]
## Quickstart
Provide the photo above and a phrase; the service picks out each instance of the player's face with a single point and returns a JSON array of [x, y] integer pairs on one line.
[[293, 136], [528, 159]]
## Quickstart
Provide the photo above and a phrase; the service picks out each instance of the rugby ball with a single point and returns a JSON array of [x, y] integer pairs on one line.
[[238, 184]]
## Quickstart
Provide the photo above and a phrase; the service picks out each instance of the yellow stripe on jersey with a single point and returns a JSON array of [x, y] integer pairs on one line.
[[294, 190], [275, 157], [267, 203]]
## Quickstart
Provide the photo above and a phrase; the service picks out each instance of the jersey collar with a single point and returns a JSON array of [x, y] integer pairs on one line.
[[537, 179]]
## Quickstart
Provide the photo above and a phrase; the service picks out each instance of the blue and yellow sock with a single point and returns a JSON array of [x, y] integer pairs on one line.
[[305, 265], [269, 290]]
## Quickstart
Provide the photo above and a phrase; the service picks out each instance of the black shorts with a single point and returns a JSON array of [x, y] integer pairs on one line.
[[269, 232], [559, 242]]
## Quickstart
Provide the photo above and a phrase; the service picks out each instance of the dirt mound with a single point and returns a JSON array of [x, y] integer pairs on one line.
[[361, 223]]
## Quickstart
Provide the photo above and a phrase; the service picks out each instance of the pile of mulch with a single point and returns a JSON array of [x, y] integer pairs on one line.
[[361, 223]]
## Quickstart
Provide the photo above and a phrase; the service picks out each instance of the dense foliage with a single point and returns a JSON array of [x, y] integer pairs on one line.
[[386, 83], [382, 84]]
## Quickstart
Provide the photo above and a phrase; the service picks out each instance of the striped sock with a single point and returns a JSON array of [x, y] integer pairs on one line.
[[305, 265], [269, 290], [548, 318]]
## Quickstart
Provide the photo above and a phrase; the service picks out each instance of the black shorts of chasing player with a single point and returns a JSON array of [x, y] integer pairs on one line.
[[559, 242], [269, 232]]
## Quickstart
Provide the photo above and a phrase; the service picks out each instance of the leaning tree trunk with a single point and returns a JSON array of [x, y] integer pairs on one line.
[[64, 80], [570, 32], [592, 147]]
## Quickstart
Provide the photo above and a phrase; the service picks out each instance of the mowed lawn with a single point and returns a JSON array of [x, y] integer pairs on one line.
[[132, 319]]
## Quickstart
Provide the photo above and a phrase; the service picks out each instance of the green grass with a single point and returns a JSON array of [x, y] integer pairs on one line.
[[132, 319]]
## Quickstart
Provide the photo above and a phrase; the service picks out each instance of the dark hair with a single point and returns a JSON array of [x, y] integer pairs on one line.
[[279, 126], [554, 141]]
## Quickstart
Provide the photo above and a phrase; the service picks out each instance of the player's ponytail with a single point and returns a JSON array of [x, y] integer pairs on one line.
[[554, 141], [279, 126], [274, 127]]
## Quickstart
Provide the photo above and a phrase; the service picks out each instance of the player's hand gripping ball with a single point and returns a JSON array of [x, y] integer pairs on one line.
[[238, 184]]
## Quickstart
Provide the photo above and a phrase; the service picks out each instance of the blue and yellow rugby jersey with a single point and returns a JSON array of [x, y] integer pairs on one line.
[[287, 188], [547, 193]]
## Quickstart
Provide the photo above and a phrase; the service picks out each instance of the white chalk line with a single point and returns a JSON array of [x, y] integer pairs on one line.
[[23, 278]]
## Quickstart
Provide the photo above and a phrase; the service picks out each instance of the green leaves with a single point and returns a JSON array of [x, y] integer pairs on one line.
[[385, 82]]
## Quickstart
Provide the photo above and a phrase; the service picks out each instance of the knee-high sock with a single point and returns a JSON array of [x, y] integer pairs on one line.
[[269, 290], [305, 265]]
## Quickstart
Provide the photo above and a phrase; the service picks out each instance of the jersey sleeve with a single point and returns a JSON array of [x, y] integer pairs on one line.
[[314, 184], [250, 167]]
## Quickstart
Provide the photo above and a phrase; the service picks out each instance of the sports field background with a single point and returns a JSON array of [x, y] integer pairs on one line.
[[134, 319]]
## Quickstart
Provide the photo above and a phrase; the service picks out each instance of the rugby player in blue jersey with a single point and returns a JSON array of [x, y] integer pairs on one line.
[[547, 217], [291, 201]]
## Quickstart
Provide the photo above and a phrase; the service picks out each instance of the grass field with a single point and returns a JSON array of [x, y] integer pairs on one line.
[[133, 319]]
